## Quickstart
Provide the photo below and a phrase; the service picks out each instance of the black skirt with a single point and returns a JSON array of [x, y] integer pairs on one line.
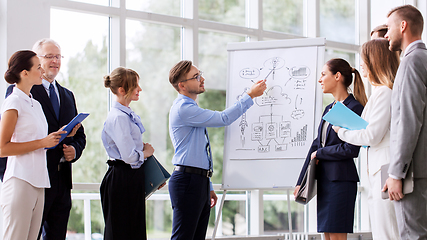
[[335, 205], [123, 202]]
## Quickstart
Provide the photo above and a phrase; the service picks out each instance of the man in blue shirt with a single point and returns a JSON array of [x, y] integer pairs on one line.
[[191, 191]]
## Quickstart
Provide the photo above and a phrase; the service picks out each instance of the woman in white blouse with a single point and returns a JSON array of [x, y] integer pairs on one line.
[[379, 67], [23, 138]]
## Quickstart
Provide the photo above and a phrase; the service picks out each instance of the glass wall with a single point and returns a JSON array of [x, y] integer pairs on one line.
[[338, 20], [380, 9], [166, 7], [224, 11], [83, 44], [283, 16]]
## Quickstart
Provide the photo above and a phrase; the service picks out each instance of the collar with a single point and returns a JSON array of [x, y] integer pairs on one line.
[[46, 84], [122, 108], [411, 45], [348, 99], [23, 95], [182, 96], [135, 118]]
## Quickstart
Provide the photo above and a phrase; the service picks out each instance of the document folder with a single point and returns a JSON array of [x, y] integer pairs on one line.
[[407, 182], [342, 116], [76, 120], [155, 175]]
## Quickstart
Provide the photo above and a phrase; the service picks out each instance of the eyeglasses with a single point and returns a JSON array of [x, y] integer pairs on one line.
[[198, 77], [51, 56]]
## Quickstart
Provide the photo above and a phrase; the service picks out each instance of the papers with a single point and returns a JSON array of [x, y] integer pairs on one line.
[[76, 120], [342, 116]]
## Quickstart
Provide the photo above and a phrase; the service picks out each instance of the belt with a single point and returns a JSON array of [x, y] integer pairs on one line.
[[203, 172], [117, 162]]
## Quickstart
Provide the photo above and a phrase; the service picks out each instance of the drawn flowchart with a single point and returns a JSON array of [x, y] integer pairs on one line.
[[280, 124]]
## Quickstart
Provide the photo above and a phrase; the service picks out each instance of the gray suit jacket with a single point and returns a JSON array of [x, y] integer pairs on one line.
[[408, 131]]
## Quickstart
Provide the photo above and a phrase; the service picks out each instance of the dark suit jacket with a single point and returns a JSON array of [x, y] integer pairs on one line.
[[67, 111], [336, 158]]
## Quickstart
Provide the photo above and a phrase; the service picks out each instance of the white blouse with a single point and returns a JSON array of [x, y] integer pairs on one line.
[[31, 125]]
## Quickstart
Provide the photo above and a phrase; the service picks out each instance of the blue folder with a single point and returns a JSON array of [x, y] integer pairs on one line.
[[342, 116], [155, 175], [76, 120]]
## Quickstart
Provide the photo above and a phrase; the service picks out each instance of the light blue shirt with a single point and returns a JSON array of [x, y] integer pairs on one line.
[[187, 126], [122, 135]]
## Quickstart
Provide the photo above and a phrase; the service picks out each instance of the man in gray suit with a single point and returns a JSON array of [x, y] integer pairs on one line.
[[408, 134]]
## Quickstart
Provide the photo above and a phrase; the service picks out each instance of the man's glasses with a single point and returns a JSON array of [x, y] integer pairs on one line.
[[198, 77], [51, 56]]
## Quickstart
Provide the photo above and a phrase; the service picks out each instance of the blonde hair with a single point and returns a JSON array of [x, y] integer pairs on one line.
[[122, 77], [381, 63]]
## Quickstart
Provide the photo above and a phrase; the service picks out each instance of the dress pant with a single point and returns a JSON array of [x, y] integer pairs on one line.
[[381, 211], [56, 211], [190, 198], [123, 202], [411, 212], [22, 205]]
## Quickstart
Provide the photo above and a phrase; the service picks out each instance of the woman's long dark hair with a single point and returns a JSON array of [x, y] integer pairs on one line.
[[340, 65]]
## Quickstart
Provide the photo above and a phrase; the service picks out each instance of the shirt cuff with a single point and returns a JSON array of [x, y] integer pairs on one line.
[[210, 186], [394, 177]]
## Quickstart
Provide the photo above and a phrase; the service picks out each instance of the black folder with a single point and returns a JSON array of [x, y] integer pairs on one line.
[[155, 175]]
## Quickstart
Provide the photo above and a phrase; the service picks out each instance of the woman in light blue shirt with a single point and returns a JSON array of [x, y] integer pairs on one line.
[[122, 189]]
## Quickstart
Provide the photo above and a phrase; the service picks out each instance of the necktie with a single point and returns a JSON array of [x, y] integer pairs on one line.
[[208, 149], [137, 120], [54, 100]]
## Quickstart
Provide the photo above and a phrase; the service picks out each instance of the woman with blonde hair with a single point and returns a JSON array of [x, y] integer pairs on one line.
[[336, 172], [122, 189], [379, 66]]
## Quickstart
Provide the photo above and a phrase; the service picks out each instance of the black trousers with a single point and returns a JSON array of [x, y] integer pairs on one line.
[[123, 202], [190, 197], [57, 206]]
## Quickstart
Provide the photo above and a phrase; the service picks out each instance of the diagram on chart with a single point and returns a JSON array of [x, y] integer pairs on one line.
[[280, 122]]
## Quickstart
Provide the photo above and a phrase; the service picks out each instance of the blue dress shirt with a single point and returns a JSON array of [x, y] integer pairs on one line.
[[187, 125], [122, 135]]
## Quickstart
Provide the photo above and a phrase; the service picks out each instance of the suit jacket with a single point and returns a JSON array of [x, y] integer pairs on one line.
[[336, 158], [67, 111], [377, 133], [408, 130]]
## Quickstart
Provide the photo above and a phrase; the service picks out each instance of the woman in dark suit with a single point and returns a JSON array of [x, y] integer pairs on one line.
[[336, 172]]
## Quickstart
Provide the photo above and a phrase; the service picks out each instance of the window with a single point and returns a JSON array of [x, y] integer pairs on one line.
[[83, 43], [283, 16], [337, 20], [224, 11], [213, 57], [166, 7], [97, 2], [380, 9]]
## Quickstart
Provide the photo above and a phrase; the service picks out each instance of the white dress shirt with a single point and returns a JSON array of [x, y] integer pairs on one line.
[[31, 125]]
